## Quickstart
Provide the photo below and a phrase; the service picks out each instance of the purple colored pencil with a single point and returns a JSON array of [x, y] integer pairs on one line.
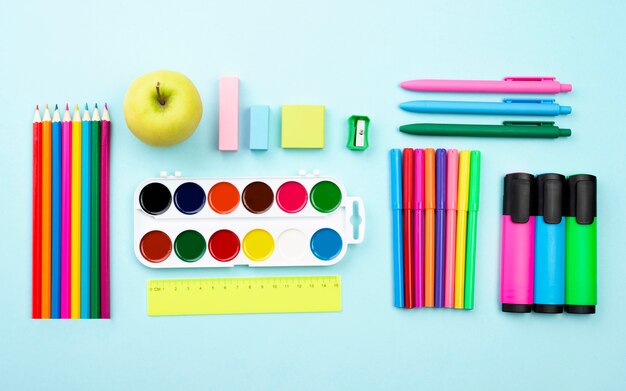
[[440, 225], [418, 230]]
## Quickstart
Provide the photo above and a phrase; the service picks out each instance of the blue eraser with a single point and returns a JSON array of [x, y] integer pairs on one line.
[[259, 127]]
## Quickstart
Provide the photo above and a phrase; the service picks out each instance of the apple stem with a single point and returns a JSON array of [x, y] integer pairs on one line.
[[159, 96]]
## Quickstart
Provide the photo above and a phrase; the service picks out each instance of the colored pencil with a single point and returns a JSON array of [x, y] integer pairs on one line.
[[461, 229], [395, 156], [105, 298], [85, 217], [66, 212], [46, 214], [472, 226], [76, 205], [408, 209], [95, 214], [56, 215], [440, 224], [429, 233], [36, 299], [419, 227], [451, 205]]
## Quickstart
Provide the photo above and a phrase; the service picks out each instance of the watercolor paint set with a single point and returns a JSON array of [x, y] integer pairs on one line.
[[305, 220]]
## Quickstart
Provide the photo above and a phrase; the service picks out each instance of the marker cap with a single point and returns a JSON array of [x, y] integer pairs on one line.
[[418, 157], [474, 185], [453, 179], [550, 197], [429, 178], [519, 197], [440, 186], [396, 178], [581, 198], [407, 178]]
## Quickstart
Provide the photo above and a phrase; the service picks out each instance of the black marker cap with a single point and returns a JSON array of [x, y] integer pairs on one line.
[[582, 198], [550, 198], [580, 309], [516, 308], [520, 197], [548, 308]]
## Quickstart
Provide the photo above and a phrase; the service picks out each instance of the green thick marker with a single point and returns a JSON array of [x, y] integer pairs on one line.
[[472, 225], [514, 129], [580, 245], [95, 215]]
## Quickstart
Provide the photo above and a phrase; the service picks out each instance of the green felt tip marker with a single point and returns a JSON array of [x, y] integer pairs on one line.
[[512, 129], [581, 245], [472, 226]]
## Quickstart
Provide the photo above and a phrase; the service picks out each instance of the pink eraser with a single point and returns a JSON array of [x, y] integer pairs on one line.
[[229, 114]]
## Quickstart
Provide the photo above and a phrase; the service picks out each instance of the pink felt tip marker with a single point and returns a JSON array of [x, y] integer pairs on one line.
[[451, 204], [419, 227], [66, 185], [510, 85]]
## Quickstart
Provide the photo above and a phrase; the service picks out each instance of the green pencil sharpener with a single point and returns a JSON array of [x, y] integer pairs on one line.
[[357, 132]]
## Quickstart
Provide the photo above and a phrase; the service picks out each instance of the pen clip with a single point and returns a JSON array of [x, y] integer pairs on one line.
[[541, 101], [528, 123], [530, 78]]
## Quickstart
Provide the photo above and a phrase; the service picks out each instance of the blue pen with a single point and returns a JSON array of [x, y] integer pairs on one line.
[[85, 214], [508, 106], [550, 245], [396, 210], [440, 224], [55, 284]]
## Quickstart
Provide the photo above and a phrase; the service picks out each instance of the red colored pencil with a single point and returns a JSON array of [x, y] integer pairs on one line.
[[37, 126], [105, 294], [408, 169]]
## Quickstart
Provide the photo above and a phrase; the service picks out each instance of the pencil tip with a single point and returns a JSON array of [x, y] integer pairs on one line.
[[56, 107], [96, 106], [67, 106], [37, 108], [77, 107], [106, 107], [46, 106], [86, 106]]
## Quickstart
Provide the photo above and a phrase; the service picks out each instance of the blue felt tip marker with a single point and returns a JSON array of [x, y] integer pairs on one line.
[[396, 210], [549, 295], [508, 106]]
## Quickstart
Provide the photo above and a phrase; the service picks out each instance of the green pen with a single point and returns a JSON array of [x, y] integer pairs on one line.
[[514, 129], [472, 225], [581, 245]]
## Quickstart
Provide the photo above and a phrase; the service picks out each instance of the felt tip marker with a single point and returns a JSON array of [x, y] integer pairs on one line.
[[518, 242], [440, 224], [397, 224], [510, 84], [461, 229], [429, 230], [419, 227], [549, 290], [472, 228], [581, 245], [452, 166], [408, 165]]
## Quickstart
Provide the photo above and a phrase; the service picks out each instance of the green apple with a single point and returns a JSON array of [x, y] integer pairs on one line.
[[162, 108]]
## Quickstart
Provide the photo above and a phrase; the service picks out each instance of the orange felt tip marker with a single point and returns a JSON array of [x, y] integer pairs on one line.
[[429, 235]]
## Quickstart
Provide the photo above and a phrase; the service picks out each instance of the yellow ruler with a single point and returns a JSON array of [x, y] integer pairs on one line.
[[244, 295]]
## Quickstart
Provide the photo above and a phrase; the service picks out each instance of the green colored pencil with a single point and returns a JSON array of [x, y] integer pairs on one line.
[[95, 214], [472, 225]]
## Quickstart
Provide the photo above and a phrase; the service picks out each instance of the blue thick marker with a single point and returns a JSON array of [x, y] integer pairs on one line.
[[85, 214], [508, 106], [396, 211], [55, 284], [550, 245]]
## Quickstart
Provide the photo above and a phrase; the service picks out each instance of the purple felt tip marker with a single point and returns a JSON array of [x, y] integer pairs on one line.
[[440, 224]]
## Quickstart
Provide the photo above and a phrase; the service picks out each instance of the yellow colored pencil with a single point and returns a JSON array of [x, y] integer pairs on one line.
[[461, 229], [76, 208]]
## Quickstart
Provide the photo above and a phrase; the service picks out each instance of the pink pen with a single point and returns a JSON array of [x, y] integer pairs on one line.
[[510, 84], [419, 227], [518, 243], [66, 185], [451, 204]]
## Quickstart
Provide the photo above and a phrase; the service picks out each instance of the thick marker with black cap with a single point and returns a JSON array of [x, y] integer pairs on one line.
[[518, 240], [549, 289], [580, 245]]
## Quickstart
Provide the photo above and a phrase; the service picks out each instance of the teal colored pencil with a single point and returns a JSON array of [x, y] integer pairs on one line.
[[95, 215], [85, 224]]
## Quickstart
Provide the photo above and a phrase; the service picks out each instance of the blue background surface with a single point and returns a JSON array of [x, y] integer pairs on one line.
[[349, 56]]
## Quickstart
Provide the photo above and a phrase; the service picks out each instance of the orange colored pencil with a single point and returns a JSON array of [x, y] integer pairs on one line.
[[46, 213], [429, 231]]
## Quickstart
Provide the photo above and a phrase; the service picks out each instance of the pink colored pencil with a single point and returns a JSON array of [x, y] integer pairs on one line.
[[66, 213], [451, 205], [105, 159], [419, 227]]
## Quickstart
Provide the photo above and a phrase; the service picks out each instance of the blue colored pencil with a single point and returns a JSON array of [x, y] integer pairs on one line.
[[85, 225], [56, 216], [398, 244]]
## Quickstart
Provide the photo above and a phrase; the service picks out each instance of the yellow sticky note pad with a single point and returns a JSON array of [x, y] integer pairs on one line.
[[302, 126]]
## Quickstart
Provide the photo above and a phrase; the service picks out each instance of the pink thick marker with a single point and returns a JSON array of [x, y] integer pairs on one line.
[[418, 231], [452, 180], [229, 114], [518, 243], [66, 213]]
